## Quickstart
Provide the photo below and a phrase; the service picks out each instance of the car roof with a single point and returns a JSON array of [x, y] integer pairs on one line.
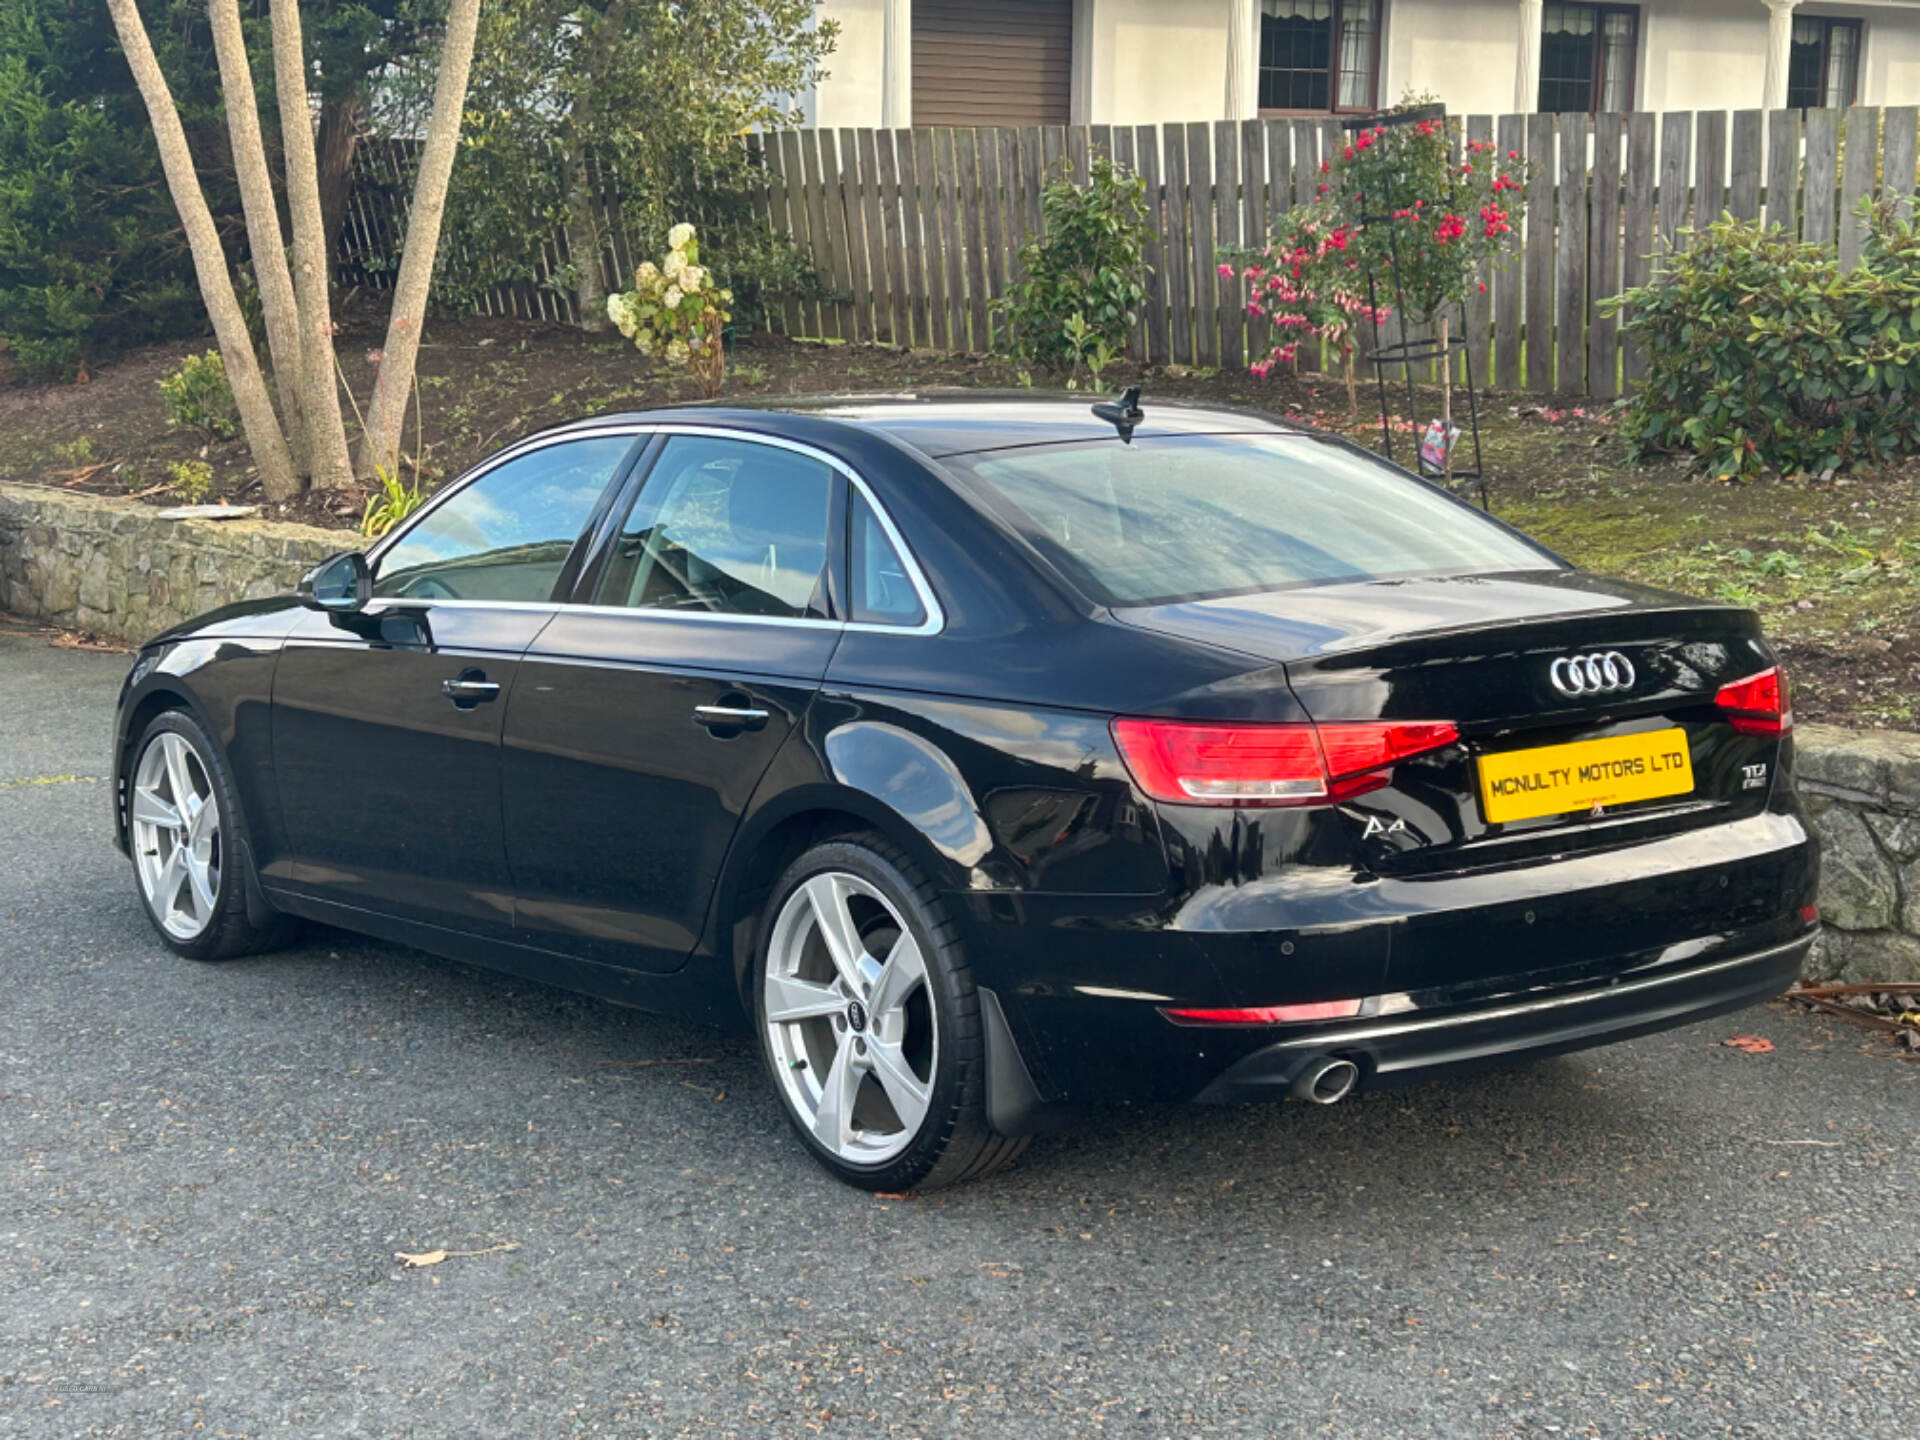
[[941, 423]]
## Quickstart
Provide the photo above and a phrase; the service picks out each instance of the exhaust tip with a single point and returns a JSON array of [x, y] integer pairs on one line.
[[1327, 1081]]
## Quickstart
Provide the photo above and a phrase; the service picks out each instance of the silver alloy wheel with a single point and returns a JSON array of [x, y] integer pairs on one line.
[[176, 835], [850, 1018]]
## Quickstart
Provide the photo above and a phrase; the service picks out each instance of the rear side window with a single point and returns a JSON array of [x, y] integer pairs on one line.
[[1187, 517], [725, 527], [506, 535], [883, 592]]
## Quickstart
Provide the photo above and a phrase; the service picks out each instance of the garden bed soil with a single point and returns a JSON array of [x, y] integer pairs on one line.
[[1829, 565]]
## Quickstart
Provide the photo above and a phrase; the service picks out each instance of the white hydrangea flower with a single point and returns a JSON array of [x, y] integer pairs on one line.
[[647, 271], [679, 235], [673, 297], [677, 352], [692, 277], [676, 262], [642, 343]]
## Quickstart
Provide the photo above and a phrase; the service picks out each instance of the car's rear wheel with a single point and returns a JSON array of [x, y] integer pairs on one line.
[[870, 1022], [189, 857]]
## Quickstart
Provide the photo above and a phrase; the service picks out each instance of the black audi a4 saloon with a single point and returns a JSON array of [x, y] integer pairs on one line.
[[990, 755]]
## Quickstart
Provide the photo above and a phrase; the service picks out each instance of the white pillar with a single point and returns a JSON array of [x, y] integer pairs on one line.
[[1243, 59], [896, 66], [1526, 77], [1779, 52]]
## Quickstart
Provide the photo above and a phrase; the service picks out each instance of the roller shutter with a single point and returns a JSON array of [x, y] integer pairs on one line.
[[992, 62]]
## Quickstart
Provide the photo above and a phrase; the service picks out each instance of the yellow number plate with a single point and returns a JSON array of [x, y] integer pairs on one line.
[[1559, 779]]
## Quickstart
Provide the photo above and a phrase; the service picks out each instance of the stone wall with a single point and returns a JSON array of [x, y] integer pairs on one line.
[[1862, 788], [116, 568]]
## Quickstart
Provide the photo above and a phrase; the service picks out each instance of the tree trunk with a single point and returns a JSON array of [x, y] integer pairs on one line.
[[264, 437], [583, 240], [340, 117], [583, 227], [395, 379], [320, 392], [264, 236]]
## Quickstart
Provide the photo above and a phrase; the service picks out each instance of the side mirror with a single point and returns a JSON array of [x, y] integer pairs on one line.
[[340, 585]]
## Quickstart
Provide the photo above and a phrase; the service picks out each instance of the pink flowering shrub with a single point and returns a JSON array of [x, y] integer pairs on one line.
[[1409, 190], [1402, 192], [1307, 283]]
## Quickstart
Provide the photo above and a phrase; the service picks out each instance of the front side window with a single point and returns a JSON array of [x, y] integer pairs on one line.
[[724, 527], [1319, 55], [1587, 58], [1183, 518], [1824, 64], [506, 535]]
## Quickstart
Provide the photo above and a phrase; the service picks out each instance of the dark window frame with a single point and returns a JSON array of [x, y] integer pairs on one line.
[[1599, 82], [1334, 57], [1828, 24]]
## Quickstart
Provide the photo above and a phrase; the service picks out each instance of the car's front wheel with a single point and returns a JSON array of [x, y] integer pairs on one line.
[[871, 1024], [183, 828]]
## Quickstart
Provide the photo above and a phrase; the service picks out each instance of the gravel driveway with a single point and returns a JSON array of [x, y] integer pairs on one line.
[[209, 1169]]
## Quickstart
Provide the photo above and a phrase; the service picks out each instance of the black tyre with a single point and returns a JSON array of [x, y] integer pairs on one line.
[[186, 832], [867, 1014]]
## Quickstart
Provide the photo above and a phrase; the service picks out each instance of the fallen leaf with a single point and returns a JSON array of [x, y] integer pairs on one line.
[[434, 1257], [1752, 1044], [893, 1195]]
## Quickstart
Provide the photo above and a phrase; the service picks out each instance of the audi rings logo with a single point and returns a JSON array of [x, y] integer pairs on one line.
[[1602, 674]]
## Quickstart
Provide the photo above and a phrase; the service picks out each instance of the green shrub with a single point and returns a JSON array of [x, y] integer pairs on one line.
[[1763, 354], [91, 253], [1090, 263], [199, 398], [192, 480], [390, 504]]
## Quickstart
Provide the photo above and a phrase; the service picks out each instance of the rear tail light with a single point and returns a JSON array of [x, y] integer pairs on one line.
[[1758, 704], [1190, 764], [1268, 1014]]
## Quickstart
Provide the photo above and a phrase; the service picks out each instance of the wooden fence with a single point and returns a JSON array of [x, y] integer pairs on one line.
[[917, 230]]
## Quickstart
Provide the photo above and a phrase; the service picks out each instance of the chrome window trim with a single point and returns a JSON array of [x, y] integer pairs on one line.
[[933, 624]]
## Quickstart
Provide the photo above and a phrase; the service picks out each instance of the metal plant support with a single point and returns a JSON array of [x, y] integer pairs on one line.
[[1408, 353]]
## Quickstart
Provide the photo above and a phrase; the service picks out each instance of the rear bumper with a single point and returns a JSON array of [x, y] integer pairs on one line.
[[1390, 1051]]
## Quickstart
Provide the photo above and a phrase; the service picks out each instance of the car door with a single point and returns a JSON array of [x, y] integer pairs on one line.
[[644, 717], [386, 722]]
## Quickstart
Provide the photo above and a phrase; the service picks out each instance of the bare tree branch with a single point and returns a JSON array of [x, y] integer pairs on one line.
[[264, 437], [264, 239], [326, 429], [381, 444]]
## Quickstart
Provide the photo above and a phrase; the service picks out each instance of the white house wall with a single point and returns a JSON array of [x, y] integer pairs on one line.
[[1153, 61], [1460, 52], [850, 95], [1157, 60], [1890, 58]]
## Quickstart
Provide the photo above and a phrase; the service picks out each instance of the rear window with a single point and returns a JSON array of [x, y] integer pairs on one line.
[[1185, 517]]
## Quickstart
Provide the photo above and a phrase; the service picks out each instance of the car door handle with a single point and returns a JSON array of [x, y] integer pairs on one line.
[[735, 717], [469, 691]]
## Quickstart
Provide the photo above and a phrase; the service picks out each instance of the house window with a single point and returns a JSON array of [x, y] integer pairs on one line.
[[1824, 64], [1587, 58], [1319, 55]]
